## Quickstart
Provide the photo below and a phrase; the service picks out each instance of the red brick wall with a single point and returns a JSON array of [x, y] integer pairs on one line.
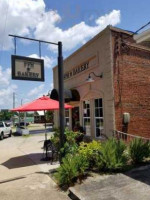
[[132, 89]]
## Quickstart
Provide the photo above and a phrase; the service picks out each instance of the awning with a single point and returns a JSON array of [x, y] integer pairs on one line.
[[69, 95]]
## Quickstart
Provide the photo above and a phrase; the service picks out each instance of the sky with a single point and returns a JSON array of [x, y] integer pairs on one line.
[[72, 22]]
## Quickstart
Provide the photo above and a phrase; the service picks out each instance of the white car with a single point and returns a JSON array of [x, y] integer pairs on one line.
[[5, 130]]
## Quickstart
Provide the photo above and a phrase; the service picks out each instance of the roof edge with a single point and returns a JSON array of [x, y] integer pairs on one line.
[[109, 27]]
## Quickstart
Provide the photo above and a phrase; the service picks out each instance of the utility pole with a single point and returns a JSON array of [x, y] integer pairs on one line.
[[14, 95], [14, 99]]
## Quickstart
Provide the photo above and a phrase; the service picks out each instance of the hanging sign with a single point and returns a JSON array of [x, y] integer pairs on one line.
[[25, 68]]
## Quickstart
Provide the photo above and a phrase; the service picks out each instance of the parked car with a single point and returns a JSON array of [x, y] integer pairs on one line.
[[21, 124], [5, 130]]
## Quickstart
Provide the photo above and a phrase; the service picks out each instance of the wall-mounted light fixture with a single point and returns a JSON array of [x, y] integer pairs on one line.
[[90, 79]]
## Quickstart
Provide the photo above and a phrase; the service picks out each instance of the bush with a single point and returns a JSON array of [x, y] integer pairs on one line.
[[112, 156], [56, 139], [90, 151], [81, 164], [71, 168], [139, 150], [71, 144]]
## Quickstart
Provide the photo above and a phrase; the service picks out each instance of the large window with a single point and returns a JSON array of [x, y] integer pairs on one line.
[[86, 117], [99, 120], [67, 117]]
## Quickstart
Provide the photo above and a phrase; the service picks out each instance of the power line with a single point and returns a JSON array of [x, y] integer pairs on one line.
[[138, 30], [141, 28]]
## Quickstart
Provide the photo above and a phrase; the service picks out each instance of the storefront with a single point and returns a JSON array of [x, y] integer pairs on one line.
[[93, 101], [93, 85]]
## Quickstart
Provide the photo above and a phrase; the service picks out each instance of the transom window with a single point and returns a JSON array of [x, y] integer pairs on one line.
[[99, 119]]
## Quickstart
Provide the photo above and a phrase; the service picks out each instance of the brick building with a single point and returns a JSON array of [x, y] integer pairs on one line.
[[117, 93]]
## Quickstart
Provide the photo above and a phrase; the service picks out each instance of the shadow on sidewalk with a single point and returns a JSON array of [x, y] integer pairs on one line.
[[24, 161], [141, 174]]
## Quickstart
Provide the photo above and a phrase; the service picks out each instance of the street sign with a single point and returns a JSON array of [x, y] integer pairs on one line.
[[25, 68]]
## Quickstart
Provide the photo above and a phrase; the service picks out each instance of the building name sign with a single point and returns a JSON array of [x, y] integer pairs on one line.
[[76, 70], [25, 68]]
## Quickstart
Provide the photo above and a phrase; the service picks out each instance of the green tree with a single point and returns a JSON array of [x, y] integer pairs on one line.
[[49, 116]]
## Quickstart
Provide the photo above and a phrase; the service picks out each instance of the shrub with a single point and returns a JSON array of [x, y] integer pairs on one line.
[[81, 164], [139, 150], [69, 148], [90, 151], [66, 172], [112, 156], [70, 145], [71, 168]]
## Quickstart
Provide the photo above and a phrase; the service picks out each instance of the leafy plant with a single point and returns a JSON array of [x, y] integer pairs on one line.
[[56, 139], [139, 150], [66, 172], [69, 148], [81, 164], [70, 145], [71, 168], [90, 151], [112, 156]]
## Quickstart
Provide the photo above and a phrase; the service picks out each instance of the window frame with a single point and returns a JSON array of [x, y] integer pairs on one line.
[[67, 118], [89, 117], [98, 117]]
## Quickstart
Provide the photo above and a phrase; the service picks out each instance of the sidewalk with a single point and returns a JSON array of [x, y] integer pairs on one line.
[[22, 174], [133, 185]]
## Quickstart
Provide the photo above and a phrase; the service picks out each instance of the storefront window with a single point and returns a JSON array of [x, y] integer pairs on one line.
[[86, 117], [67, 117], [99, 120]]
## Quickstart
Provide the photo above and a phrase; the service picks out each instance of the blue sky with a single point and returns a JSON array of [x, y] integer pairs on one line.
[[72, 22]]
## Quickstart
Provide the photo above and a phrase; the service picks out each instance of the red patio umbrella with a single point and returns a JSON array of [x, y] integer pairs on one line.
[[42, 103]]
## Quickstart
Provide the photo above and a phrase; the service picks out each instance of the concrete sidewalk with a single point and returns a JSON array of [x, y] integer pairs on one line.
[[133, 185], [22, 174]]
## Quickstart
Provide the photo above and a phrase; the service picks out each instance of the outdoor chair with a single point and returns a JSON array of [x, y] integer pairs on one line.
[[49, 147]]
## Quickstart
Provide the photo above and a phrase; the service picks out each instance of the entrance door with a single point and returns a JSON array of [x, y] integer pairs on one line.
[[75, 118], [86, 117]]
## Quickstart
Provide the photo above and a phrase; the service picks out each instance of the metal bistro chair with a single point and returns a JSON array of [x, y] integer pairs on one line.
[[49, 147]]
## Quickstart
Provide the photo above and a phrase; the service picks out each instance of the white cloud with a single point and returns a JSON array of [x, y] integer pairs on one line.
[[76, 35], [6, 89], [30, 17], [4, 77], [112, 18], [48, 62], [35, 91], [18, 17]]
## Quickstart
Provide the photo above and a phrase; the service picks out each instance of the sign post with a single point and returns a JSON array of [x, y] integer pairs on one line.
[[61, 95], [28, 74]]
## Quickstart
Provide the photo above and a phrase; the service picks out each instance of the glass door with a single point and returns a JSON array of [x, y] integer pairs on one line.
[[86, 117]]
